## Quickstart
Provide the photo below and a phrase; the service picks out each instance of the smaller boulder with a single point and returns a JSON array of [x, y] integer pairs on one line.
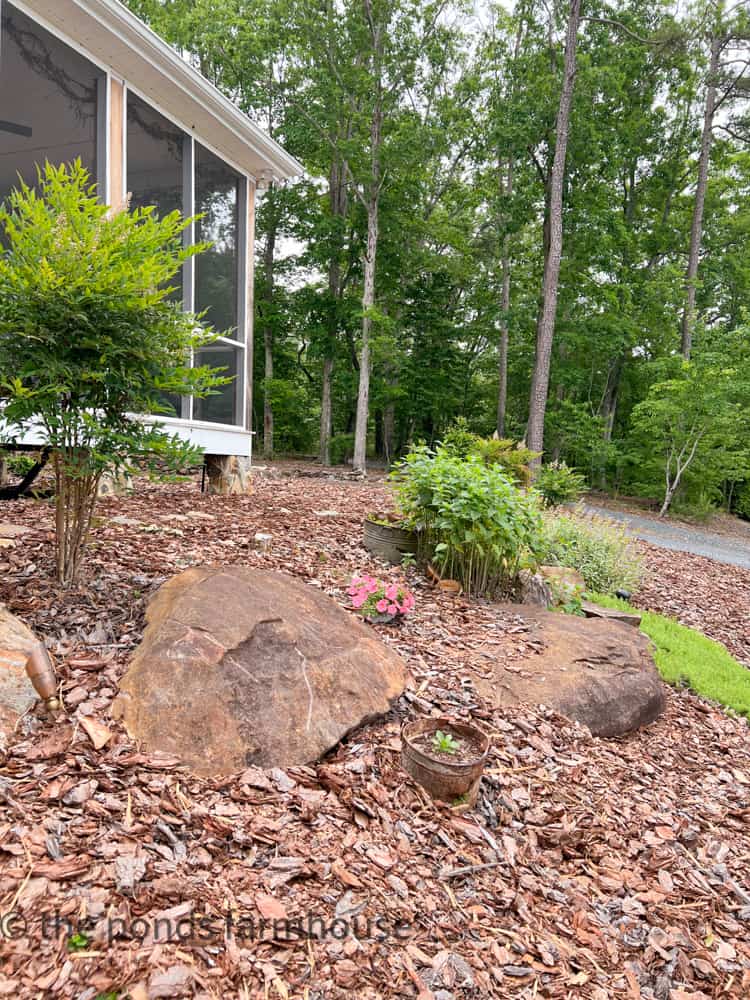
[[17, 695], [532, 588], [596, 671], [592, 610], [12, 530], [563, 577]]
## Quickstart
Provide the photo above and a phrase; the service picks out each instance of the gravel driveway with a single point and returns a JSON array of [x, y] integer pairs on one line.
[[722, 548]]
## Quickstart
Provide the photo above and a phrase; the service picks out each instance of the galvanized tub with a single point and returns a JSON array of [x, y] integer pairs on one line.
[[389, 541], [449, 781]]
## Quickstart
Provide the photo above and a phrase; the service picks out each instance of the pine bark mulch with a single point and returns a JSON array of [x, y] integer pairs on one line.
[[590, 869]]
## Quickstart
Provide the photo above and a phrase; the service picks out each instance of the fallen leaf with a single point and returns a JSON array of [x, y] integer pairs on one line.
[[97, 732]]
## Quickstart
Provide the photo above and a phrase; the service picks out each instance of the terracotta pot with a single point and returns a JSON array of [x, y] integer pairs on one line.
[[444, 779], [389, 541]]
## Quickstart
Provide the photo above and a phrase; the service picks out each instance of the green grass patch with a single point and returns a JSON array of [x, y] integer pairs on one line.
[[686, 657]]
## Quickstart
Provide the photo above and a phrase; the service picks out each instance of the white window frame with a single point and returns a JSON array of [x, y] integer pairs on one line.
[[103, 155], [188, 279]]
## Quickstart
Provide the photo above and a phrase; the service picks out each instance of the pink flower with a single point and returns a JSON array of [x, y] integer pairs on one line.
[[371, 585], [359, 599], [392, 609], [382, 606], [391, 592]]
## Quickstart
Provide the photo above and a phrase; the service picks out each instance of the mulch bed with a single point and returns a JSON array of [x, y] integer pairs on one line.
[[710, 596], [589, 869]]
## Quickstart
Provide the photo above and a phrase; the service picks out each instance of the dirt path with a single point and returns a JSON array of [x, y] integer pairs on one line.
[[681, 537]]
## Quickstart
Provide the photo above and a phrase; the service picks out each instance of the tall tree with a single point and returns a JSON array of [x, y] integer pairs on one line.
[[547, 313], [720, 88]]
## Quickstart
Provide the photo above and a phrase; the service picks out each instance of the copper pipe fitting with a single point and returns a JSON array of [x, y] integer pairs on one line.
[[41, 673]]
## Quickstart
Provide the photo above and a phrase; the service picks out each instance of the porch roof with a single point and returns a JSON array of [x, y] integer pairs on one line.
[[119, 40]]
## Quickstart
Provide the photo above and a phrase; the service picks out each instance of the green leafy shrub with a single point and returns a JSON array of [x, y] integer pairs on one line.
[[513, 459], [342, 448], [458, 440], [474, 523], [21, 463], [699, 507], [559, 484], [602, 552], [742, 505], [89, 337]]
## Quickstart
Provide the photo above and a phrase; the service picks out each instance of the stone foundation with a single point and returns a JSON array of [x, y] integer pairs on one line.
[[114, 484], [228, 474]]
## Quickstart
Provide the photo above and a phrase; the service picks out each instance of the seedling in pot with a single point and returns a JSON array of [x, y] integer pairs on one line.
[[445, 743]]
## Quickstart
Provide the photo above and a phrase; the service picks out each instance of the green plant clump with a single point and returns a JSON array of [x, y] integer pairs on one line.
[[602, 552], [78, 941], [445, 743], [685, 657], [342, 448], [514, 459], [559, 484], [22, 462], [475, 524]]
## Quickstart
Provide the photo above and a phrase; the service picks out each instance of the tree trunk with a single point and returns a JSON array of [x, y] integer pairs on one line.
[[696, 228], [502, 392], [75, 498], [370, 260], [338, 200], [609, 402], [389, 432], [368, 302], [267, 307], [324, 452], [546, 323], [668, 498]]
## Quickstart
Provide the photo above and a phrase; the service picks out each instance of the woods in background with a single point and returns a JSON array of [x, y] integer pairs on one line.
[[538, 219]]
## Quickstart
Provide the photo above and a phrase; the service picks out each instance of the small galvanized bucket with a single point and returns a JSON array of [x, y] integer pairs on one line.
[[449, 781]]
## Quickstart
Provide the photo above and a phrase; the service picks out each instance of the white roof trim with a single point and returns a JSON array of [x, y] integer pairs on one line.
[[100, 25]]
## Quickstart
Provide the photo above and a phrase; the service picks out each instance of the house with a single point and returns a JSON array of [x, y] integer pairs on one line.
[[86, 78]]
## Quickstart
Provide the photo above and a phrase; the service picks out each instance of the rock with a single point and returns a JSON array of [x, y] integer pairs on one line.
[[241, 667], [563, 577], [17, 695], [596, 671], [229, 474], [114, 484], [532, 588], [614, 614]]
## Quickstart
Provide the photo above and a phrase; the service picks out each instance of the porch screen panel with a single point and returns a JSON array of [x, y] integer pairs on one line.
[[154, 175], [217, 283], [154, 159], [217, 189], [48, 101], [225, 407]]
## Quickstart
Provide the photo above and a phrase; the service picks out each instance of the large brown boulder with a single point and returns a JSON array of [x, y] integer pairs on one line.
[[596, 671], [17, 695], [249, 667]]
